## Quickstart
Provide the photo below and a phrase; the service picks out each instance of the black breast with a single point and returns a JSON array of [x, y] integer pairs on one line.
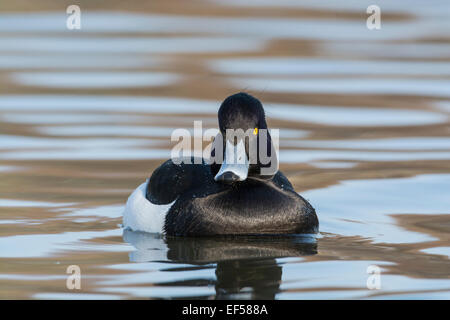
[[250, 207]]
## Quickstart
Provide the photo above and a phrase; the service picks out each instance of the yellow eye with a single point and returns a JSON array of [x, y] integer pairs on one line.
[[255, 132]]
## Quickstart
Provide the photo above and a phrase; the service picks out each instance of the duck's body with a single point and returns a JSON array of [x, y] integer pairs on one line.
[[190, 199]]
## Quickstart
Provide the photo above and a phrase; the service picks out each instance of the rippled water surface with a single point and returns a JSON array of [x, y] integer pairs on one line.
[[86, 115]]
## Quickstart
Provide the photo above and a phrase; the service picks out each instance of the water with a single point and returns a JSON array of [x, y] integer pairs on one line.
[[85, 117]]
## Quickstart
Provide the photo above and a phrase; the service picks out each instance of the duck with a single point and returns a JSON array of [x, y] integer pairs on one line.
[[237, 191]]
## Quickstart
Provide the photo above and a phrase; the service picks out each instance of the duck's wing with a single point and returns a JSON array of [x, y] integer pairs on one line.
[[172, 178]]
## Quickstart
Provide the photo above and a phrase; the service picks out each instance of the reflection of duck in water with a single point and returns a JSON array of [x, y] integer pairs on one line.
[[248, 279], [246, 266], [244, 194]]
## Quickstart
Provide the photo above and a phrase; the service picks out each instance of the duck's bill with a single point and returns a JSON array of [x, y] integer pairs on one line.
[[235, 163]]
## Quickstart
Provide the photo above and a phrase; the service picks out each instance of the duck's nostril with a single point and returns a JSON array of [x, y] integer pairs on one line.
[[228, 177]]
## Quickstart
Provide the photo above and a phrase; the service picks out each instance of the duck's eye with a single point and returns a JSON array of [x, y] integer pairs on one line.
[[255, 132]]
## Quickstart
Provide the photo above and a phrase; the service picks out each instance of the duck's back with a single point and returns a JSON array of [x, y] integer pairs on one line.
[[191, 203], [206, 207]]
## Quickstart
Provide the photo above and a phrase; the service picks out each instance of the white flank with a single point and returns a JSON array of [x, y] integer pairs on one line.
[[142, 215]]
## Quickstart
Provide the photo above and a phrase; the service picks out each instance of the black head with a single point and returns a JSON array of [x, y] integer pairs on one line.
[[244, 137], [241, 111]]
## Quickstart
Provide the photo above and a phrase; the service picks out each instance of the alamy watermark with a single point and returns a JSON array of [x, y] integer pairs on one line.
[[74, 279], [73, 21], [261, 146], [374, 20], [374, 280]]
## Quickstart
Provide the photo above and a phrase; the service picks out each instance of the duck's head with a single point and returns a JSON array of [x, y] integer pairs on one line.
[[244, 142]]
